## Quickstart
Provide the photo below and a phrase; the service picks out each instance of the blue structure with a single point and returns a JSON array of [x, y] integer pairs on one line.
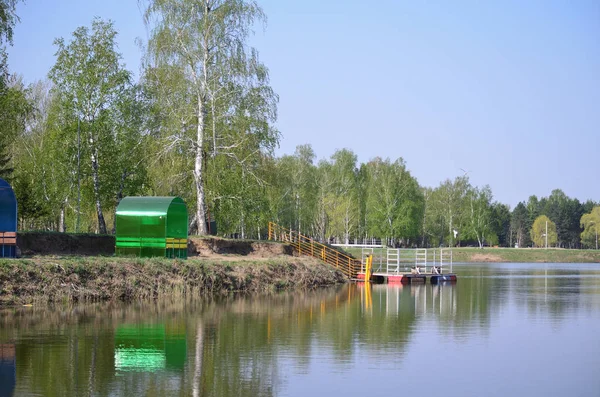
[[8, 221], [8, 369]]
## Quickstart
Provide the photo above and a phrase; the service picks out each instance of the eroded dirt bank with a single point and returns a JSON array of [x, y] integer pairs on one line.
[[34, 243], [43, 279], [57, 267]]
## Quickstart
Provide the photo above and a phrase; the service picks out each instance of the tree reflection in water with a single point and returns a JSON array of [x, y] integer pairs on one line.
[[246, 345]]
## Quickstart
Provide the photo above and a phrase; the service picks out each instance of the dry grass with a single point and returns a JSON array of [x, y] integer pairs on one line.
[[47, 279]]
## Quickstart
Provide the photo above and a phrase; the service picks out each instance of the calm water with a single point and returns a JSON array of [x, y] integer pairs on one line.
[[502, 330]]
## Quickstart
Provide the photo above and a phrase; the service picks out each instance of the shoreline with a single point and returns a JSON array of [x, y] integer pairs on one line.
[[525, 255], [65, 268], [99, 279], [511, 255], [33, 244]]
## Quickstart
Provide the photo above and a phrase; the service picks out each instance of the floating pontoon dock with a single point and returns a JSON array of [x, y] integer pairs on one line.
[[399, 266]]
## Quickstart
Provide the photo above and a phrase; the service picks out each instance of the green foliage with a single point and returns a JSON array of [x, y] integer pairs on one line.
[[31, 207], [519, 224], [395, 202], [212, 100], [8, 18], [479, 215], [293, 190], [447, 212], [5, 157], [501, 223], [341, 197], [14, 110], [40, 177], [543, 232], [566, 212], [563, 210], [99, 117], [200, 126], [591, 224]]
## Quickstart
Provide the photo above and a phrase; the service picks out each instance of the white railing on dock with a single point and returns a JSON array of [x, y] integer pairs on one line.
[[379, 262], [365, 254], [421, 258], [411, 257], [401, 260], [393, 260], [446, 258]]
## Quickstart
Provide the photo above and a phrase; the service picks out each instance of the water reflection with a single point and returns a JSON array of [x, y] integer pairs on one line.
[[8, 377], [262, 345], [148, 347]]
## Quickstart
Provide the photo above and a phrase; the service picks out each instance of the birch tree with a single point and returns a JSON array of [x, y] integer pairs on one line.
[[8, 18], [90, 81], [36, 166], [395, 201], [210, 88], [298, 188], [448, 205], [325, 200], [479, 214], [342, 205]]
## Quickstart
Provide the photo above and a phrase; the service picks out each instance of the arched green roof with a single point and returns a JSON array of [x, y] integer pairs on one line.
[[146, 206], [152, 226]]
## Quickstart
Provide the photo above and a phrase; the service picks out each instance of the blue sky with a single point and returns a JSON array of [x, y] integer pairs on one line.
[[507, 90]]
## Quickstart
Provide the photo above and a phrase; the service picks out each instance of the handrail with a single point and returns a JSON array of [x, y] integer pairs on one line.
[[307, 246]]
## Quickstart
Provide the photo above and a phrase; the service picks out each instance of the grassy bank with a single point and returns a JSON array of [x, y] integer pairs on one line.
[[35, 280], [525, 255], [516, 255]]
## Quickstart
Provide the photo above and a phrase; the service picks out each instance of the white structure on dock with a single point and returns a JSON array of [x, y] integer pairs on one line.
[[402, 260]]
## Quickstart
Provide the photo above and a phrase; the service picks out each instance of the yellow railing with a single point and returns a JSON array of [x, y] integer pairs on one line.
[[307, 246]]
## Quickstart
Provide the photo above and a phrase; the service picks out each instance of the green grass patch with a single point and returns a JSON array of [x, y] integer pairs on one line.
[[515, 255]]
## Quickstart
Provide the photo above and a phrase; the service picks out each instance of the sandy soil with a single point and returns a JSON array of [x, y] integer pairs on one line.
[[485, 258]]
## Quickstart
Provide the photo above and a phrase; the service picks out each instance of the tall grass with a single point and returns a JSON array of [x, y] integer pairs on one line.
[[127, 279]]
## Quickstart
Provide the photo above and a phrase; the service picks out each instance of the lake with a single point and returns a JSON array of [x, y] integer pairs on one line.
[[501, 330]]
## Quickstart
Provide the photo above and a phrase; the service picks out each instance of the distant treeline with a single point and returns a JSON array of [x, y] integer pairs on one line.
[[199, 124], [339, 200]]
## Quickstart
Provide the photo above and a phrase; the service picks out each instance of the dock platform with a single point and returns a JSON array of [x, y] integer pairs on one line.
[[409, 278]]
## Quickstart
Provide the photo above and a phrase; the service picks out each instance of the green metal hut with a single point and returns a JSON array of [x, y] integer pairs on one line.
[[152, 226]]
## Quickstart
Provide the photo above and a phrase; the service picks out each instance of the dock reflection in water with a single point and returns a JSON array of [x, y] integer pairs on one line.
[[405, 299]]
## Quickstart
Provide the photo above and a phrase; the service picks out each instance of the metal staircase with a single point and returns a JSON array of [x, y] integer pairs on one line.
[[307, 246]]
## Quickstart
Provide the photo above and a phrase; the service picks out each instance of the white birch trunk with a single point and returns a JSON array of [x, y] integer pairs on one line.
[[96, 179], [62, 226], [243, 225], [199, 150], [198, 358], [199, 171]]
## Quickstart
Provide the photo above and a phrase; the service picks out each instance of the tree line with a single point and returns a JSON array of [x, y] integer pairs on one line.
[[199, 124]]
